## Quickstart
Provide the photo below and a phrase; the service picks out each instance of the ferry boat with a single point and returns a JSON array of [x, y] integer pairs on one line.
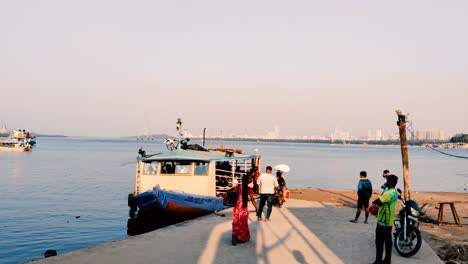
[[8, 146], [183, 183], [21, 135], [16, 141]]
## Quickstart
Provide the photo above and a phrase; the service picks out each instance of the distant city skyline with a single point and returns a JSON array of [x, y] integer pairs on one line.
[[95, 68], [376, 135], [338, 134]]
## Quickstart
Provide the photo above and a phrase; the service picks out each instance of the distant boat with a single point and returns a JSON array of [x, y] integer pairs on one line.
[[18, 141], [14, 147], [20, 136]]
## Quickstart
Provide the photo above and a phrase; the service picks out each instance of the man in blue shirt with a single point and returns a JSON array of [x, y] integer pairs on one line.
[[364, 194]]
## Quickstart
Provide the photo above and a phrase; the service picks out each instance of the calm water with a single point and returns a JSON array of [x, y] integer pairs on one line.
[[44, 192]]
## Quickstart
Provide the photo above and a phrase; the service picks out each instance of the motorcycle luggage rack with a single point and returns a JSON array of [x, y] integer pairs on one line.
[[454, 213]]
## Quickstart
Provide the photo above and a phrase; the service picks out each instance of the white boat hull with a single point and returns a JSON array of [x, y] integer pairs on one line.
[[14, 149]]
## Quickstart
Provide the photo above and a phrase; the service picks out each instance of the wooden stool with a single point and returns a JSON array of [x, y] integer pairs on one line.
[[454, 212]]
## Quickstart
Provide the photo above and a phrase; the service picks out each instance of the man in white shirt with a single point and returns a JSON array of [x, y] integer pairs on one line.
[[267, 184]]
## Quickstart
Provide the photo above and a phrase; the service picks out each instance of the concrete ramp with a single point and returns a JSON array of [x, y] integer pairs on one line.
[[300, 232]]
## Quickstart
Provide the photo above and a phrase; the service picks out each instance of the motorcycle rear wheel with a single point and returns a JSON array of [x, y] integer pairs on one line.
[[412, 244]]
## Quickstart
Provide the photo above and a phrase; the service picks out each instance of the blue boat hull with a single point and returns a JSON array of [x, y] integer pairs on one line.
[[158, 208]]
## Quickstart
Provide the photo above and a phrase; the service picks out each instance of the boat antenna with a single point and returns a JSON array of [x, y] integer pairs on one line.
[[179, 128], [169, 142], [204, 135]]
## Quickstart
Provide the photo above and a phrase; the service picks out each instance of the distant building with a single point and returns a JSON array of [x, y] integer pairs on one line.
[[340, 135], [273, 134], [376, 135], [429, 135], [394, 136], [379, 134]]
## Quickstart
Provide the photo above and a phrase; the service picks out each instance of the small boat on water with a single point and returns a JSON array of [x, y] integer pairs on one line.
[[183, 183], [18, 140], [21, 135], [8, 146]]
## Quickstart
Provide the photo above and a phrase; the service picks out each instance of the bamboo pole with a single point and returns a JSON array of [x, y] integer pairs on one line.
[[404, 153]]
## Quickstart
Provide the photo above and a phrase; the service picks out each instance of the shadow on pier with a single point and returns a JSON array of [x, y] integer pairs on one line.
[[300, 232]]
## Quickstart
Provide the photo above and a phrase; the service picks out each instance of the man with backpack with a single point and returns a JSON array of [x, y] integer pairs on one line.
[[364, 194]]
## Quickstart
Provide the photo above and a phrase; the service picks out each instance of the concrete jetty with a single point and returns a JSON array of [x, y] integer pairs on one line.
[[300, 232]]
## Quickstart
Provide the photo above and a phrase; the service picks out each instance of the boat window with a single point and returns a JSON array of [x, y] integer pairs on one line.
[[201, 168], [151, 168], [167, 167], [183, 167]]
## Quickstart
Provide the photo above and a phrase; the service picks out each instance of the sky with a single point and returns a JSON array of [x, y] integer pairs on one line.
[[94, 68]]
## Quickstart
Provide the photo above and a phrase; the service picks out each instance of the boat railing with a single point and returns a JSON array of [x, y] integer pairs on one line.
[[230, 172], [224, 176]]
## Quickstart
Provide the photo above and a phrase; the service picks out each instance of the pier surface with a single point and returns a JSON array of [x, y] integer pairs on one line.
[[300, 232]]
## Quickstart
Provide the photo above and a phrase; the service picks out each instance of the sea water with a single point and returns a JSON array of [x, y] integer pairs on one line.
[[71, 193]]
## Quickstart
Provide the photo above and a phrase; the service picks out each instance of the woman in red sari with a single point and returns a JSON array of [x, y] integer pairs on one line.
[[240, 214]]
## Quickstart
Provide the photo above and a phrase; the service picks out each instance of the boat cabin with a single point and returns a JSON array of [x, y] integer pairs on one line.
[[209, 173]]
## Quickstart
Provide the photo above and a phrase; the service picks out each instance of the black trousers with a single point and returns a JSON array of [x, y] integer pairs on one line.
[[268, 199], [383, 235]]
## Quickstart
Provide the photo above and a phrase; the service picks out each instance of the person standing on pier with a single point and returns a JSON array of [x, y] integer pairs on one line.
[[385, 219], [364, 193], [279, 193], [240, 214], [254, 174], [384, 175], [267, 184]]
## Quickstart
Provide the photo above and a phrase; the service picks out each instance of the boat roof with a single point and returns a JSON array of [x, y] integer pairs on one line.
[[194, 155]]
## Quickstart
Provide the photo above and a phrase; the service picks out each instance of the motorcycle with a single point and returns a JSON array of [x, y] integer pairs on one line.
[[408, 238]]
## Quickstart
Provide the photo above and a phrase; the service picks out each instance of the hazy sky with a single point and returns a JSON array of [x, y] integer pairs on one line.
[[93, 68]]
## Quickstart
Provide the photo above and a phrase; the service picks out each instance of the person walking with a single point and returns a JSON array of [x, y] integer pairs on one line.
[[267, 184], [240, 213], [385, 219], [364, 192]]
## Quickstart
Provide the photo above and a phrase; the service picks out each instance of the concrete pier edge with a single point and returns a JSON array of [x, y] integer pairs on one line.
[[300, 232]]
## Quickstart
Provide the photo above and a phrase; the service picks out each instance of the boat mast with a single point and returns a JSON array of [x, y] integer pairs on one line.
[[179, 129]]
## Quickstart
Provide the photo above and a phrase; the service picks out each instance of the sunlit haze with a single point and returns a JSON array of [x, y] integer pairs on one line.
[[93, 68]]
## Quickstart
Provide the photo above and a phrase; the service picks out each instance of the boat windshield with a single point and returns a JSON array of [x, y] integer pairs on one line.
[[151, 168], [182, 167], [201, 168]]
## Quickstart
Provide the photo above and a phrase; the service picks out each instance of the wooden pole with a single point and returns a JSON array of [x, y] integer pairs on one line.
[[204, 134], [404, 153]]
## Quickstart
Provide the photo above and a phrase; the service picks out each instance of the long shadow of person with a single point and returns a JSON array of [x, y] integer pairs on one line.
[[299, 256]]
